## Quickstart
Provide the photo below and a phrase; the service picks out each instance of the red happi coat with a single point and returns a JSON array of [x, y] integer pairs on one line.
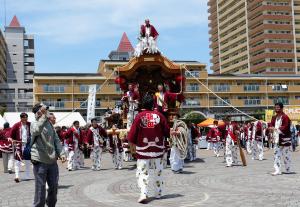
[[214, 134], [258, 131], [229, 130], [115, 144], [153, 32], [5, 145], [90, 135], [71, 135], [16, 134], [285, 138], [149, 132]]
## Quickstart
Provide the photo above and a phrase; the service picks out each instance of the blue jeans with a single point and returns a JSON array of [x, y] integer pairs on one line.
[[45, 173]]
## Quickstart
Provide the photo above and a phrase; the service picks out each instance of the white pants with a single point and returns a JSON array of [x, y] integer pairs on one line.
[[130, 117], [258, 150], [127, 155], [117, 159], [165, 160], [27, 168], [75, 160], [249, 146], [285, 152], [142, 174], [216, 148], [96, 156], [231, 152], [8, 161], [175, 160], [209, 145], [192, 152]]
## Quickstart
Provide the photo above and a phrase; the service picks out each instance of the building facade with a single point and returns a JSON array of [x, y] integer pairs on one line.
[[254, 36], [251, 94], [20, 65]]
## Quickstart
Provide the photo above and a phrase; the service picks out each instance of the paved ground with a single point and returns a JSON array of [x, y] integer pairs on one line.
[[205, 182]]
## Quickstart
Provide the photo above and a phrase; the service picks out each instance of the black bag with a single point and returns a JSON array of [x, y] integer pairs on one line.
[[27, 149]]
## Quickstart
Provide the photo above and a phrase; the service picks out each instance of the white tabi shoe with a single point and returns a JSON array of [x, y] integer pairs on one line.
[[276, 173]]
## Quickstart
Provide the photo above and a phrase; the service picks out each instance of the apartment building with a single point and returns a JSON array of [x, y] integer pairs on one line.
[[254, 36], [20, 64]]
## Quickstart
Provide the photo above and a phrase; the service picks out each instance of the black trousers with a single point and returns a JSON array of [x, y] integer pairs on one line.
[[45, 173]]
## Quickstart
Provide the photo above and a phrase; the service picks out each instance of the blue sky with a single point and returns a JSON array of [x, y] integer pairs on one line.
[[74, 35]]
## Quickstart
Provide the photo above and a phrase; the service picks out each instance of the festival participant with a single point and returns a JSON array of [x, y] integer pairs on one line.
[[95, 140], [116, 148], [131, 98], [6, 148], [20, 133], [280, 126], [231, 134], [75, 143], [258, 145], [193, 141], [162, 99], [147, 39], [148, 133], [249, 142], [215, 135]]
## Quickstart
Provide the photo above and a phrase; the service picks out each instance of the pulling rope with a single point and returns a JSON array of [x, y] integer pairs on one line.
[[180, 139], [251, 117], [99, 89]]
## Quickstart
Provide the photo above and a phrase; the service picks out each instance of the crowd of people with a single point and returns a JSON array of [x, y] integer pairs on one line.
[[41, 144]]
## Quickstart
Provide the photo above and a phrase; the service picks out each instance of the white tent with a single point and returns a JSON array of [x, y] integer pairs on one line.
[[14, 117], [62, 118], [2, 121], [67, 118]]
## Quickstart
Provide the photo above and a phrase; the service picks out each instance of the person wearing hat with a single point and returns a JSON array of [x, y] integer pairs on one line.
[[45, 149], [95, 139], [6, 148], [116, 148], [20, 133]]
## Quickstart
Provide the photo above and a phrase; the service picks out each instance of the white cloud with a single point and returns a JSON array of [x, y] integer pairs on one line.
[[80, 21]]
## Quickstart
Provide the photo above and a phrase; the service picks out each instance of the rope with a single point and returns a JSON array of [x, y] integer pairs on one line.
[[99, 89], [180, 139], [220, 97]]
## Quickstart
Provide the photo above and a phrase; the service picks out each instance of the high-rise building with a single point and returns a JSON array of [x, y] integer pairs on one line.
[[2, 58], [254, 36], [125, 50], [20, 68]]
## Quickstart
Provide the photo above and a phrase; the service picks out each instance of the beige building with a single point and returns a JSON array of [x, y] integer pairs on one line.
[[3, 48], [254, 36], [249, 93]]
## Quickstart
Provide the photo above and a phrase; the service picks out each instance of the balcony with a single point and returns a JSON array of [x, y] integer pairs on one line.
[[25, 96], [53, 89]]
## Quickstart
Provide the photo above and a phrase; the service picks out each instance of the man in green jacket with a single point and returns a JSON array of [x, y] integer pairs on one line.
[[46, 148]]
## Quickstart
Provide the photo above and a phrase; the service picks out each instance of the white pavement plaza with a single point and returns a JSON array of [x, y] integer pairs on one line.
[[205, 182]]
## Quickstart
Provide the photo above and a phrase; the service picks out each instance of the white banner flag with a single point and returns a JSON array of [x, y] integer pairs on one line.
[[91, 103]]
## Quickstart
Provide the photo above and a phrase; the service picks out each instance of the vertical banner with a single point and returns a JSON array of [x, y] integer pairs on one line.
[[91, 103]]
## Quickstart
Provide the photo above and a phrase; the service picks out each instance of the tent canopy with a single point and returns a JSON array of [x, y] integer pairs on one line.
[[209, 123], [62, 118]]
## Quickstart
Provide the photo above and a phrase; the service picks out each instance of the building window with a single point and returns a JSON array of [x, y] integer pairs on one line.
[[192, 74], [280, 87], [192, 102], [193, 87], [219, 102], [282, 99], [83, 88], [251, 87], [222, 88], [54, 88]]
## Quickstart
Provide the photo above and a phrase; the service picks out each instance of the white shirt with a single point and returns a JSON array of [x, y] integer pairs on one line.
[[24, 133], [148, 30]]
